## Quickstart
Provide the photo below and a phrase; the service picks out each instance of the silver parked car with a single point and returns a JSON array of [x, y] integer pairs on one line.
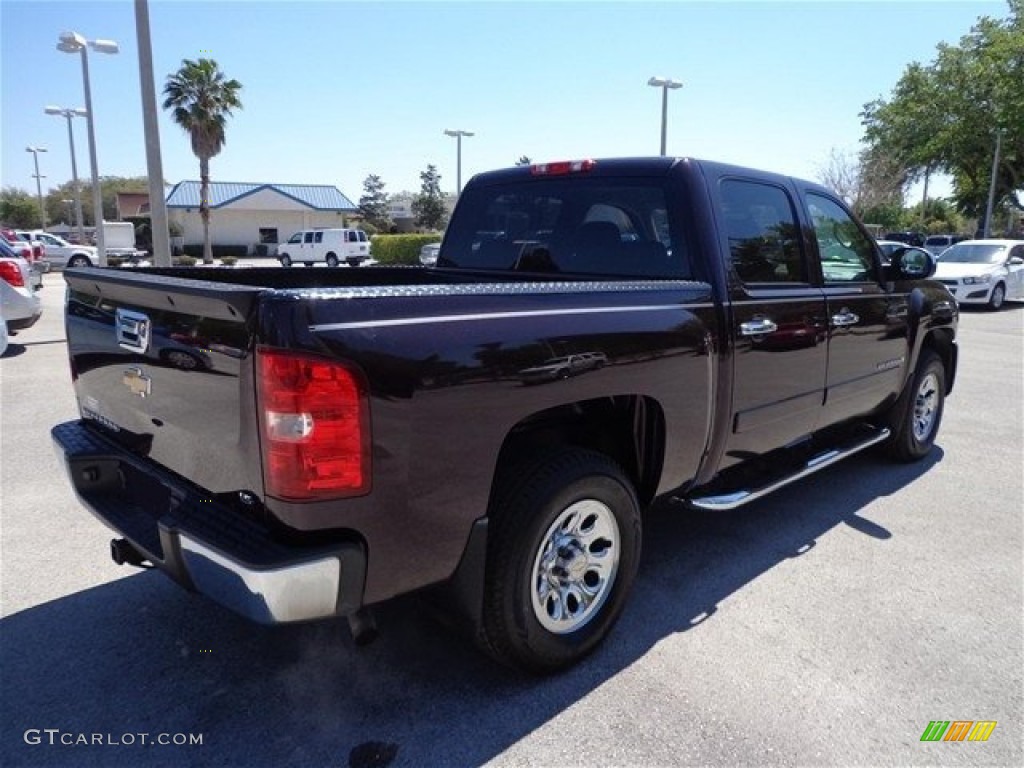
[[429, 254]]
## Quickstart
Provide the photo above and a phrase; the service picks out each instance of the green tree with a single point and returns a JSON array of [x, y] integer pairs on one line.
[[110, 186], [201, 100], [373, 205], [944, 116], [19, 208], [428, 205]]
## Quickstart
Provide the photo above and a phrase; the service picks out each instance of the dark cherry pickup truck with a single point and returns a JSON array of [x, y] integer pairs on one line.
[[595, 335]]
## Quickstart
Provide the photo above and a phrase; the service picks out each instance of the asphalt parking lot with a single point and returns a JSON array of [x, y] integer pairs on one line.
[[825, 625]]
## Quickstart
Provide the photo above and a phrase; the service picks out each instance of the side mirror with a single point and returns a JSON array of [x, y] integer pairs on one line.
[[911, 264], [1015, 261]]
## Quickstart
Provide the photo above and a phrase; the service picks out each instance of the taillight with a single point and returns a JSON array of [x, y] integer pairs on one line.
[[314, 427], [10, 272], [562, 167]]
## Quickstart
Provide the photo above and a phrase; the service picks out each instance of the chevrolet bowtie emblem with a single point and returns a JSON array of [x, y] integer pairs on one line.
[[137, 382]]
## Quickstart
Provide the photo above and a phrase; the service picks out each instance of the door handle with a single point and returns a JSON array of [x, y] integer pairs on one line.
[[757, 327], [844, 318]]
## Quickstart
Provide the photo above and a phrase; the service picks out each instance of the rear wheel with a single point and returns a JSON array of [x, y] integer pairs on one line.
[[286, 260], [563, 551], [186, 361], [995, 301], [3, 336], [79, 261], [916, 416], [332, 260]]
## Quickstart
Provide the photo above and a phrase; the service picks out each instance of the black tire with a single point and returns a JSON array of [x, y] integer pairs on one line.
[[354, 262], [307, 263], [998, 297], [916, 416], [332, 260], [286, 260], [78, 260], [563, 528]]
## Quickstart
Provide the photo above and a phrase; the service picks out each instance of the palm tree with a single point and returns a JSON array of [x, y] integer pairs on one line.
[[201, 101]]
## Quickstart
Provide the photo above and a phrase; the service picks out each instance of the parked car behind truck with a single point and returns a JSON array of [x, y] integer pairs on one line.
[[329, 246], [370, 435]]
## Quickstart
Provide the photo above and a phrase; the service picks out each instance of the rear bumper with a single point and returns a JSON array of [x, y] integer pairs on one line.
[[205, 545]]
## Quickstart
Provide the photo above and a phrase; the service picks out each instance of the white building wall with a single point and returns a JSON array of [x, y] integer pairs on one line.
[[229, 226]]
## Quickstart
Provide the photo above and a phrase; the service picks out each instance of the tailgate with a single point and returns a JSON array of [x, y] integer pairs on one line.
[[163, 364]]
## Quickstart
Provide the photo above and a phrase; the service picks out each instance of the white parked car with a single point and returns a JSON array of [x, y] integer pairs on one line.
[[331, 246], [983, 271], [20, 305], [60, 253]]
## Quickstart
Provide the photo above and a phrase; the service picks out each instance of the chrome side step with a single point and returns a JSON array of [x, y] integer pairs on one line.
[[727, 501]]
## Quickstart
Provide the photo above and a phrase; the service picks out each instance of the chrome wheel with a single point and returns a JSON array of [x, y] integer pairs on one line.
[[926, 406], [575, 567]]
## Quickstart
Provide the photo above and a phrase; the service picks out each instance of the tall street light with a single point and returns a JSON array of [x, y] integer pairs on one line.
[[987, 229], [664, 83], [72, 42], [39, 186], [69, 113], [458, 173]]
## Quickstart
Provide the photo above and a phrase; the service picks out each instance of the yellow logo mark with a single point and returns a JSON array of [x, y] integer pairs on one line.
[[982, 730]]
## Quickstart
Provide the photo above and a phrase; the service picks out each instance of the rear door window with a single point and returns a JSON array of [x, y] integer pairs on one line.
[[575, 225], [764, 236]]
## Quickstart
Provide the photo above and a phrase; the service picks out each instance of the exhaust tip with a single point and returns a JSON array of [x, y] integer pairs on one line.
[[123, 553], [363, 627]]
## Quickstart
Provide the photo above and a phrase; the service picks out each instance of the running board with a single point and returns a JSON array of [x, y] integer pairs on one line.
[[727, 501]]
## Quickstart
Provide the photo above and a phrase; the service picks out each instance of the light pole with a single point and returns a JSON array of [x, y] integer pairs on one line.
[[987, 230], [458, 163], [154, 165], [72, 42], [39, 186], [664, 83], [69, 113]]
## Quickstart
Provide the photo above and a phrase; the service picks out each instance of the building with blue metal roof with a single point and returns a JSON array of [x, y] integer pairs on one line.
[[252, 214]]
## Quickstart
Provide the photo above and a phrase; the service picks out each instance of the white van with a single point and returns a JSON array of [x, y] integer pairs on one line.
[[331, 246]]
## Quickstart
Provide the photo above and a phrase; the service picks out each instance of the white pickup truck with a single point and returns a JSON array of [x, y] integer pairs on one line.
[[60, 253]]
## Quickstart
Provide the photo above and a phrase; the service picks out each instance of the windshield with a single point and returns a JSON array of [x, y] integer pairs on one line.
[[974, 253]]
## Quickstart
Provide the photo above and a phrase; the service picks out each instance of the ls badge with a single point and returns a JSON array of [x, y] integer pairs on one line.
[[137, 382]]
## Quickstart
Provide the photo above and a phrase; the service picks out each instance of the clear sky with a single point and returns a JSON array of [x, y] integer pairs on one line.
[[334, 91]]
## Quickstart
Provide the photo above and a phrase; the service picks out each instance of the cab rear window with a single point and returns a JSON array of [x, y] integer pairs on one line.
[[578, 226]]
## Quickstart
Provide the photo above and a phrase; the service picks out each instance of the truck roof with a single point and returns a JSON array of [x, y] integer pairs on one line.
[[642, 166]]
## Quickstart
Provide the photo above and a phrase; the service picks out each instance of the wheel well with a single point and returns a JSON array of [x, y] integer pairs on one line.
[[630, 429], [940, 341]]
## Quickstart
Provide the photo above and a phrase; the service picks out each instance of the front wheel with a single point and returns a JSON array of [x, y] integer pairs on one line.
[[916, 416], [995, 301], [563, 551]]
